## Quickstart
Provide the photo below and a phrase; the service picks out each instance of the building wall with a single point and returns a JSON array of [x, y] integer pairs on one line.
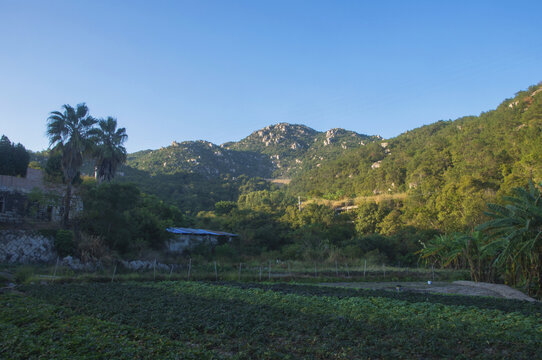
[[181, 242], [14, 204]]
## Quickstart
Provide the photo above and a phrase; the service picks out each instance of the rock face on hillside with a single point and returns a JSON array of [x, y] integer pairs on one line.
[[276, 138], [293, 147]]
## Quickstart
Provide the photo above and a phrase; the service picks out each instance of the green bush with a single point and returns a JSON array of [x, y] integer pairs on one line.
[[23, 273], [64, 244], [226, 252], [48, 233]]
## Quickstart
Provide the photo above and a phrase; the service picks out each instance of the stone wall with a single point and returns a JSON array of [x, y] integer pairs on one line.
[[25, 247]]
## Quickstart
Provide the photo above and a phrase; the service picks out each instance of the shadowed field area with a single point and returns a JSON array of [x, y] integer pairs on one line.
[[243, 320]]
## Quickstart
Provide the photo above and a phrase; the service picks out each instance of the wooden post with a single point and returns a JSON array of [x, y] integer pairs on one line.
[[384, 268], [216, 273], [315, 271], [260, 272], [336, 269], [189, 268], [154, 270], [289, 272], [347, 271], [270, 270], [114, 271], [56, 266], [239, 271], [364, 268], [170, 271], [433, 271]]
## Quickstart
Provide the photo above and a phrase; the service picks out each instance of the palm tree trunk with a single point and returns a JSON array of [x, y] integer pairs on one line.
[[538, 270], [67, 203]]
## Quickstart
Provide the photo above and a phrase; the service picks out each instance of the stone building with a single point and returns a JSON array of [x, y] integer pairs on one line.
[[185, 238], [32, 197]]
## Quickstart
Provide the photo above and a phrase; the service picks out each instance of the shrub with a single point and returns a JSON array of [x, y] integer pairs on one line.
[[23, 274], [64, 242], [48, 233], [92, 248]]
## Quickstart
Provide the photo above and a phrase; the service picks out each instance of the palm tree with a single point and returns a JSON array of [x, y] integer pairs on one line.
[[69, 131], [516, 229], [109, 152], [459, 250]]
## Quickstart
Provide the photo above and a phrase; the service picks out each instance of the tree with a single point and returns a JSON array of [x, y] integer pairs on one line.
[[14, 159], [516, 232], [109, 151], [125, 218], [70, 132]]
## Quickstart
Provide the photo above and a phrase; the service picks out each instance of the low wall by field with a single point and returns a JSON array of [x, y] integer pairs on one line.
[[25, 247]]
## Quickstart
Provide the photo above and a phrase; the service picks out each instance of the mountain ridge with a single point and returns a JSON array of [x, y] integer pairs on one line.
[[278, 150]]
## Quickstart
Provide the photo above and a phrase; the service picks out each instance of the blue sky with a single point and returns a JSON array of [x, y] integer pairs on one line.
[[218, 70]]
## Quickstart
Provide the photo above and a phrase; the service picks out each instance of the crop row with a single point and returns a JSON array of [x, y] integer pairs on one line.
[[504, 305], [33, 329], [271, 323]]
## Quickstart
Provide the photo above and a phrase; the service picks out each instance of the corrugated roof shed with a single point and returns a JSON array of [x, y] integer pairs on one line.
[[188, 231]]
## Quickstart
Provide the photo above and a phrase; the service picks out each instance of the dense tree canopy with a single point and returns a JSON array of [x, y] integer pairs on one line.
[[14, 158]]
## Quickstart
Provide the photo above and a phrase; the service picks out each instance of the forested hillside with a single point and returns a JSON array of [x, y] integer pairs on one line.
[[194, 175], [200, 157], [449, 169]]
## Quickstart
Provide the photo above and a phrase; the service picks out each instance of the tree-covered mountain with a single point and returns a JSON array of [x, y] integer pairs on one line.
[[194, 175], [200, 157], [294, 148], [280, 150], [449, 169]]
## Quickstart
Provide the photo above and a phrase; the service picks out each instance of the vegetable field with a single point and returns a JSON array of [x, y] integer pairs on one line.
[[177, 320]]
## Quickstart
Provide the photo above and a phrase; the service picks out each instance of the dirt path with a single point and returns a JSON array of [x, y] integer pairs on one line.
[[457, 287]]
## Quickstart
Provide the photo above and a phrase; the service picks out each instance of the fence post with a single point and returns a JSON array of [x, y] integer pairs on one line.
[[189, 268], [170, 271], [260, 272], [433, 272], [269, 270], [347, 271], [56, 266], [239, 271], [384, 268], [154, 270], [336, 269], [114, 271], [364, 268], [315, 271], [216, 273], [289, 272]]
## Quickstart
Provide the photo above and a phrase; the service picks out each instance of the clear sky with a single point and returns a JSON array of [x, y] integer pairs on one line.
[[218, 70]]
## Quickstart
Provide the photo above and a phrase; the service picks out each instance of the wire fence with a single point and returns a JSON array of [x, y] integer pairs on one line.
[[254, 271]]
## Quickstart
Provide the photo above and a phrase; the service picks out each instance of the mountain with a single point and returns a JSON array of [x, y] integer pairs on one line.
[[280, 150], [446, 171], [200, 157], [195, 175], [449, 169], [296, 148]]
